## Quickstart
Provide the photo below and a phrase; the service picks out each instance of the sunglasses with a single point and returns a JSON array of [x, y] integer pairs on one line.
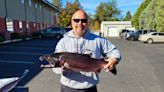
[[82, 20]]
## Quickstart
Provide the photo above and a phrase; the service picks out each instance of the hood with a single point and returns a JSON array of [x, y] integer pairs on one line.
[[71, 34]]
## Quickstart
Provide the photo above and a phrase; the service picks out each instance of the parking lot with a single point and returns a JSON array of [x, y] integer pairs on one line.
[[140, 70]]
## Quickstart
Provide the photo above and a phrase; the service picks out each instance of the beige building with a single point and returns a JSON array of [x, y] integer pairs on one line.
[[113, 28]]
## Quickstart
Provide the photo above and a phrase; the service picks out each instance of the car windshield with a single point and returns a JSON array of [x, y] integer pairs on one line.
[[56, 29], [148, 33]]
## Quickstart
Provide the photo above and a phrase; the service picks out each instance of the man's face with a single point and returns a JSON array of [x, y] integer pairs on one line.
[[79, 23]]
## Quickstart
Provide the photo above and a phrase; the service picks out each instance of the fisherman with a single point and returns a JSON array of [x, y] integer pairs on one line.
[[81, 40]]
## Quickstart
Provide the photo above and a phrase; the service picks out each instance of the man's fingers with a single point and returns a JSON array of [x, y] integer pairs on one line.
[[107, 65]]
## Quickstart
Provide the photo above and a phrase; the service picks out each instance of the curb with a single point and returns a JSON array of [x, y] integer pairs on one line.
[[14, 40]]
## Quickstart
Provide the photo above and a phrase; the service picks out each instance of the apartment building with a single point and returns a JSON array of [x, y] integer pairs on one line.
[[26, 16]]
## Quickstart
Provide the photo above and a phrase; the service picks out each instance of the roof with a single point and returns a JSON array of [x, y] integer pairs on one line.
[[51, 5], [117, 22]]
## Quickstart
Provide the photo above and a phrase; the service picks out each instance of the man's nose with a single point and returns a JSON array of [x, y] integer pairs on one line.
[[80, 22]]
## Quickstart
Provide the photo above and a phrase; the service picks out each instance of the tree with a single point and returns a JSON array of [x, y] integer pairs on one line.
[[57, 3], [115, 11], [152, 16], [159, 16], [77, 1], [147, 17], [128, 16], [64, 18], [106, 11], [135, 18]]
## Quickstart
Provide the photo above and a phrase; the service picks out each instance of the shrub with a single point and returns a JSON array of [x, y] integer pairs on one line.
[[15, 35], [2, 38]]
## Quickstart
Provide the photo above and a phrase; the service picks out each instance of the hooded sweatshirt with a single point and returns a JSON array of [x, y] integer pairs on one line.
[[96, 46]]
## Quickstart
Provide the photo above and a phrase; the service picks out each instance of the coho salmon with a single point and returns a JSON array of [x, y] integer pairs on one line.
[[74, 62]]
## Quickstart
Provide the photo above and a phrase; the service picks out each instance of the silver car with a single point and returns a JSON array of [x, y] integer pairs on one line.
[[152, 37], [56, 32]]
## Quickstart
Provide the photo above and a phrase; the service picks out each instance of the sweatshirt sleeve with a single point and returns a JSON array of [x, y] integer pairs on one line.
[[109, 50]]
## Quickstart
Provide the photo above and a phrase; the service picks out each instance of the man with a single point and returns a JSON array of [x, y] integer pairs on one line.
[[81, 40]]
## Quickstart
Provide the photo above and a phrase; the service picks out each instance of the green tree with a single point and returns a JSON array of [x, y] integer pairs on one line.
[[115, 11], [152, 16], [147, 17], [128, 16], [106, 11], [57, 3], [64, 18], [77, 1], [135, 18], [160, 16]]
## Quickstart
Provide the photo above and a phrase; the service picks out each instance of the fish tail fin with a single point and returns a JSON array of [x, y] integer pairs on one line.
[[114, 71]]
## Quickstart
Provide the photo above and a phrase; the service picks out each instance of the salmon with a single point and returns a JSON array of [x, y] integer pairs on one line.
[[74, 62]]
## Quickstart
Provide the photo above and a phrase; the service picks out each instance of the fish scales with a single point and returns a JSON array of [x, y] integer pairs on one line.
[[75, 62]]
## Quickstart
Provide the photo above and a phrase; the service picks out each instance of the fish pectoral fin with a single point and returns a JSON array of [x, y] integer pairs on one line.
[[66, 65]]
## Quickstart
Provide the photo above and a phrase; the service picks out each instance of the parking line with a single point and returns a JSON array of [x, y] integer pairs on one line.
[[16, 62], [22, 53], [28, 47]]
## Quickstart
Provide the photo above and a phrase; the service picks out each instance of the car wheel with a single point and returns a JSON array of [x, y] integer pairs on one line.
[[40, 36], [149, 40], [58, 36], [132, 39]]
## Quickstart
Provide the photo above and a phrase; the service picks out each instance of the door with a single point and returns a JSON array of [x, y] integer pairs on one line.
[[113, 32]]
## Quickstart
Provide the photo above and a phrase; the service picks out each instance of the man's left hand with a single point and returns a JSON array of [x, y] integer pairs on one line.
[[112, 62]]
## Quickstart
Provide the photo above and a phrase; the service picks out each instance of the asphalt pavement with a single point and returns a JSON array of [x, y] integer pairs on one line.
[[140, 70]]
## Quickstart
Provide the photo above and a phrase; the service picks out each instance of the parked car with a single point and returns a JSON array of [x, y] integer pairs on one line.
[[56, 32], [126, 35], [133, 35], [67, 29], [123, 33], [152, 37]]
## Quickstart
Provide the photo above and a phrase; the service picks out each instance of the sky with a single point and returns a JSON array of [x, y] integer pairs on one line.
[[124, 5]]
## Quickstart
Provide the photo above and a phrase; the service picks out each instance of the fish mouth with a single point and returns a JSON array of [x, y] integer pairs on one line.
[[41, 58], [52, 61]]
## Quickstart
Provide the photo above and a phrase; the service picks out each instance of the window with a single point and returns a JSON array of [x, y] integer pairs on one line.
[[40, 7], [20, 26], [154, 34], [9, 25], [161, 34], [27, 25], [30, 3], [22, 1], [36, 6]]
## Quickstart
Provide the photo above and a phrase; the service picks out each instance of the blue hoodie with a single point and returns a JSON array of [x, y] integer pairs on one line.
[[90, 43]]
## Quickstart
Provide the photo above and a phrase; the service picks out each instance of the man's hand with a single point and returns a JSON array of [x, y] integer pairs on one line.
[[112, 62]]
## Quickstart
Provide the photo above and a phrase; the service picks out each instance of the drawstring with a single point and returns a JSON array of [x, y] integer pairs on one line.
[[80, 47]]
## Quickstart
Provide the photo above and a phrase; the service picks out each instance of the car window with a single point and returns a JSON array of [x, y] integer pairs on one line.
[[154, 33], [144, 32], [55, 29], [161, 34], [48, 29]]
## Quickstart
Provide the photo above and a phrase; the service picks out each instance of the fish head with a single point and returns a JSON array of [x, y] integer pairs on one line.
[[53, 59]]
